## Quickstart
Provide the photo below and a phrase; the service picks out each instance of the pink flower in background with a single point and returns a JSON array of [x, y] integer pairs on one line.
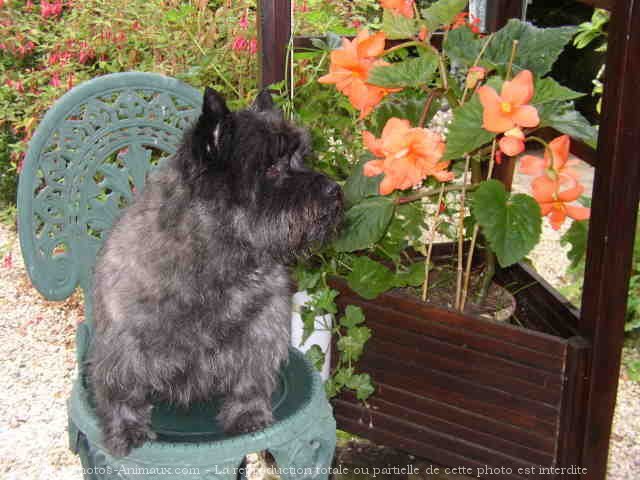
[[17, 86], [86, 53], [244, 21], [356, 24], [136, 25], [28, 6], [7, 261], [55, 81], [253, 46], [239, 44], [53, 9]]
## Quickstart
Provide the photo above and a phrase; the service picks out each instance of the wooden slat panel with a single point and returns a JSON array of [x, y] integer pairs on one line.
[[450, 365], [457, 336], [454, 429], [410, 444], [399, 402], [475, 361], [518, 338], [477, 453]]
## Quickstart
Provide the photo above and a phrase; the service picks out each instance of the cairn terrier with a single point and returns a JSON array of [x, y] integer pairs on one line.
[[192, 295]]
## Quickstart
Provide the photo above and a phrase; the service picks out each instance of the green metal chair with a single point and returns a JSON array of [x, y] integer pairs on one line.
[[92, 149]]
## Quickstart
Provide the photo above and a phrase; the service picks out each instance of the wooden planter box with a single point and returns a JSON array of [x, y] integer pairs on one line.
[[464, 391]]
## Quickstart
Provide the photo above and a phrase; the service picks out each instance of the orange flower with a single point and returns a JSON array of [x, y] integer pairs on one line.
[[509, 109], [406, 156], [555, 203], [399, 7], [474, 75], [556, 161], [467, 19], [512, 143], [350, 66]]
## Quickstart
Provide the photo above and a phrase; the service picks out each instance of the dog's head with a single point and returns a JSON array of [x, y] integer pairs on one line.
[[287, 207]]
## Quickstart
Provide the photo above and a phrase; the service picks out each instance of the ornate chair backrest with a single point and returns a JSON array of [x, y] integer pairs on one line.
[[90, 153]]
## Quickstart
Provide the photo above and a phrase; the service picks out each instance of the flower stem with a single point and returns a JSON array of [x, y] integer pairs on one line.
[[432, 235], [514, 48], [427, 105], [461, 232], [430, 193]]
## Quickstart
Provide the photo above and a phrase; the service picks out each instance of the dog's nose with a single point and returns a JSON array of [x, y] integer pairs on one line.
[[332, 189]]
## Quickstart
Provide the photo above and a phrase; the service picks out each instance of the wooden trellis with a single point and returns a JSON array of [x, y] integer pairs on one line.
[[592, 376]]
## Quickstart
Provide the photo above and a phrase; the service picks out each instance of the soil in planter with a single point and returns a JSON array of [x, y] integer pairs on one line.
[[498, 305]]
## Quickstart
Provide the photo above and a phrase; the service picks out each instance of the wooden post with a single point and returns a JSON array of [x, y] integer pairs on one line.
[[611, 230], [274, 31]]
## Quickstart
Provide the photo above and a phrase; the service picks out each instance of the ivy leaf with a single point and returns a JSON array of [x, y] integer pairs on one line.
[[308, 323], [352, 316], [398, 27], [405, 230], [511, 223], [442, 13], [576, 236], [408, 73], [331, 387], [465, 131], [359, 187], [548, 90], [361, 384], [352, 344], [316, 356], [369, 278], [343, 375], [365, 223], [566, 119], [538, 48], [324, 301], [412, 276], [306, 279]]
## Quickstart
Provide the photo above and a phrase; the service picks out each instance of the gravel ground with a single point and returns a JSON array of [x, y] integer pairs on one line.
[[38, 365]]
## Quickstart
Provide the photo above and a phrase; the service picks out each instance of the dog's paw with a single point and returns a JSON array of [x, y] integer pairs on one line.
[[250, 421], [120, 445]]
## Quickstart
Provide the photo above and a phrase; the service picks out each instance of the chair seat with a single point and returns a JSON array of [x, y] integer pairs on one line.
[[191, 444]]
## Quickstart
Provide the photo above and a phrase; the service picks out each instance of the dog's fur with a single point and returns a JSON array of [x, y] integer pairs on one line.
[[191, 288]]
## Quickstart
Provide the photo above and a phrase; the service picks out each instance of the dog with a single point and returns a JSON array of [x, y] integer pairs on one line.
[[191, 289]]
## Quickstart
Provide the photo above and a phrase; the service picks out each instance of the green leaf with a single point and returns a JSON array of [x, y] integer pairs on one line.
[[538, 48], [566, 119], [462, 46], [413, 72], [465, 131], [359, 187], [369, 278], [511, 224], [548, 90], [398, 27], [407, 108], [442, 13], [412, 276], [331, 387], [316, 356], [305, 278], [308, 323], [576, 236], [405, 230], [343, 375], [324, 301], [352, 316], [352, 344], [365, 223], [361, 383]]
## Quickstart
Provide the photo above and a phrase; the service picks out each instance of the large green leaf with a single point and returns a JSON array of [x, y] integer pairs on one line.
[[358, 186], [442, 13], [365, 223], [538, 48], [412, 72], [369, 278], [465, 131], [462, 46], [352, 316], [396, 106], [566, 119], [576, 236], [405, 230], [511, 223], [398, 27], [548, 90]]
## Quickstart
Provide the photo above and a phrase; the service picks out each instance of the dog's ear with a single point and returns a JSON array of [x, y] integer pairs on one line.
[[213, 105], [263, 101]]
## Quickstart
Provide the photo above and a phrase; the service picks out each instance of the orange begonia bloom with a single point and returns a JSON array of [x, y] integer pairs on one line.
[[509, 109], [350, 66], [556, 160], [555, 203], [512, 143], [406, 156], [402, 7], [474, 75]]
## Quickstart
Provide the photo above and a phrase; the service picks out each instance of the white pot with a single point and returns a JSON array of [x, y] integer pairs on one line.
[[321, 336]]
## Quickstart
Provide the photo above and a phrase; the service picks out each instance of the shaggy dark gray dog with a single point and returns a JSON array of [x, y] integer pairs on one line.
[[191, 289]]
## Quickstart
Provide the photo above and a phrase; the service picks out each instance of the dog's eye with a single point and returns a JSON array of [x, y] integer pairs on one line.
[[273, 171]]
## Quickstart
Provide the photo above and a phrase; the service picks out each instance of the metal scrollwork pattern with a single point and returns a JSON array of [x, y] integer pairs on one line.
[[88, 157]]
